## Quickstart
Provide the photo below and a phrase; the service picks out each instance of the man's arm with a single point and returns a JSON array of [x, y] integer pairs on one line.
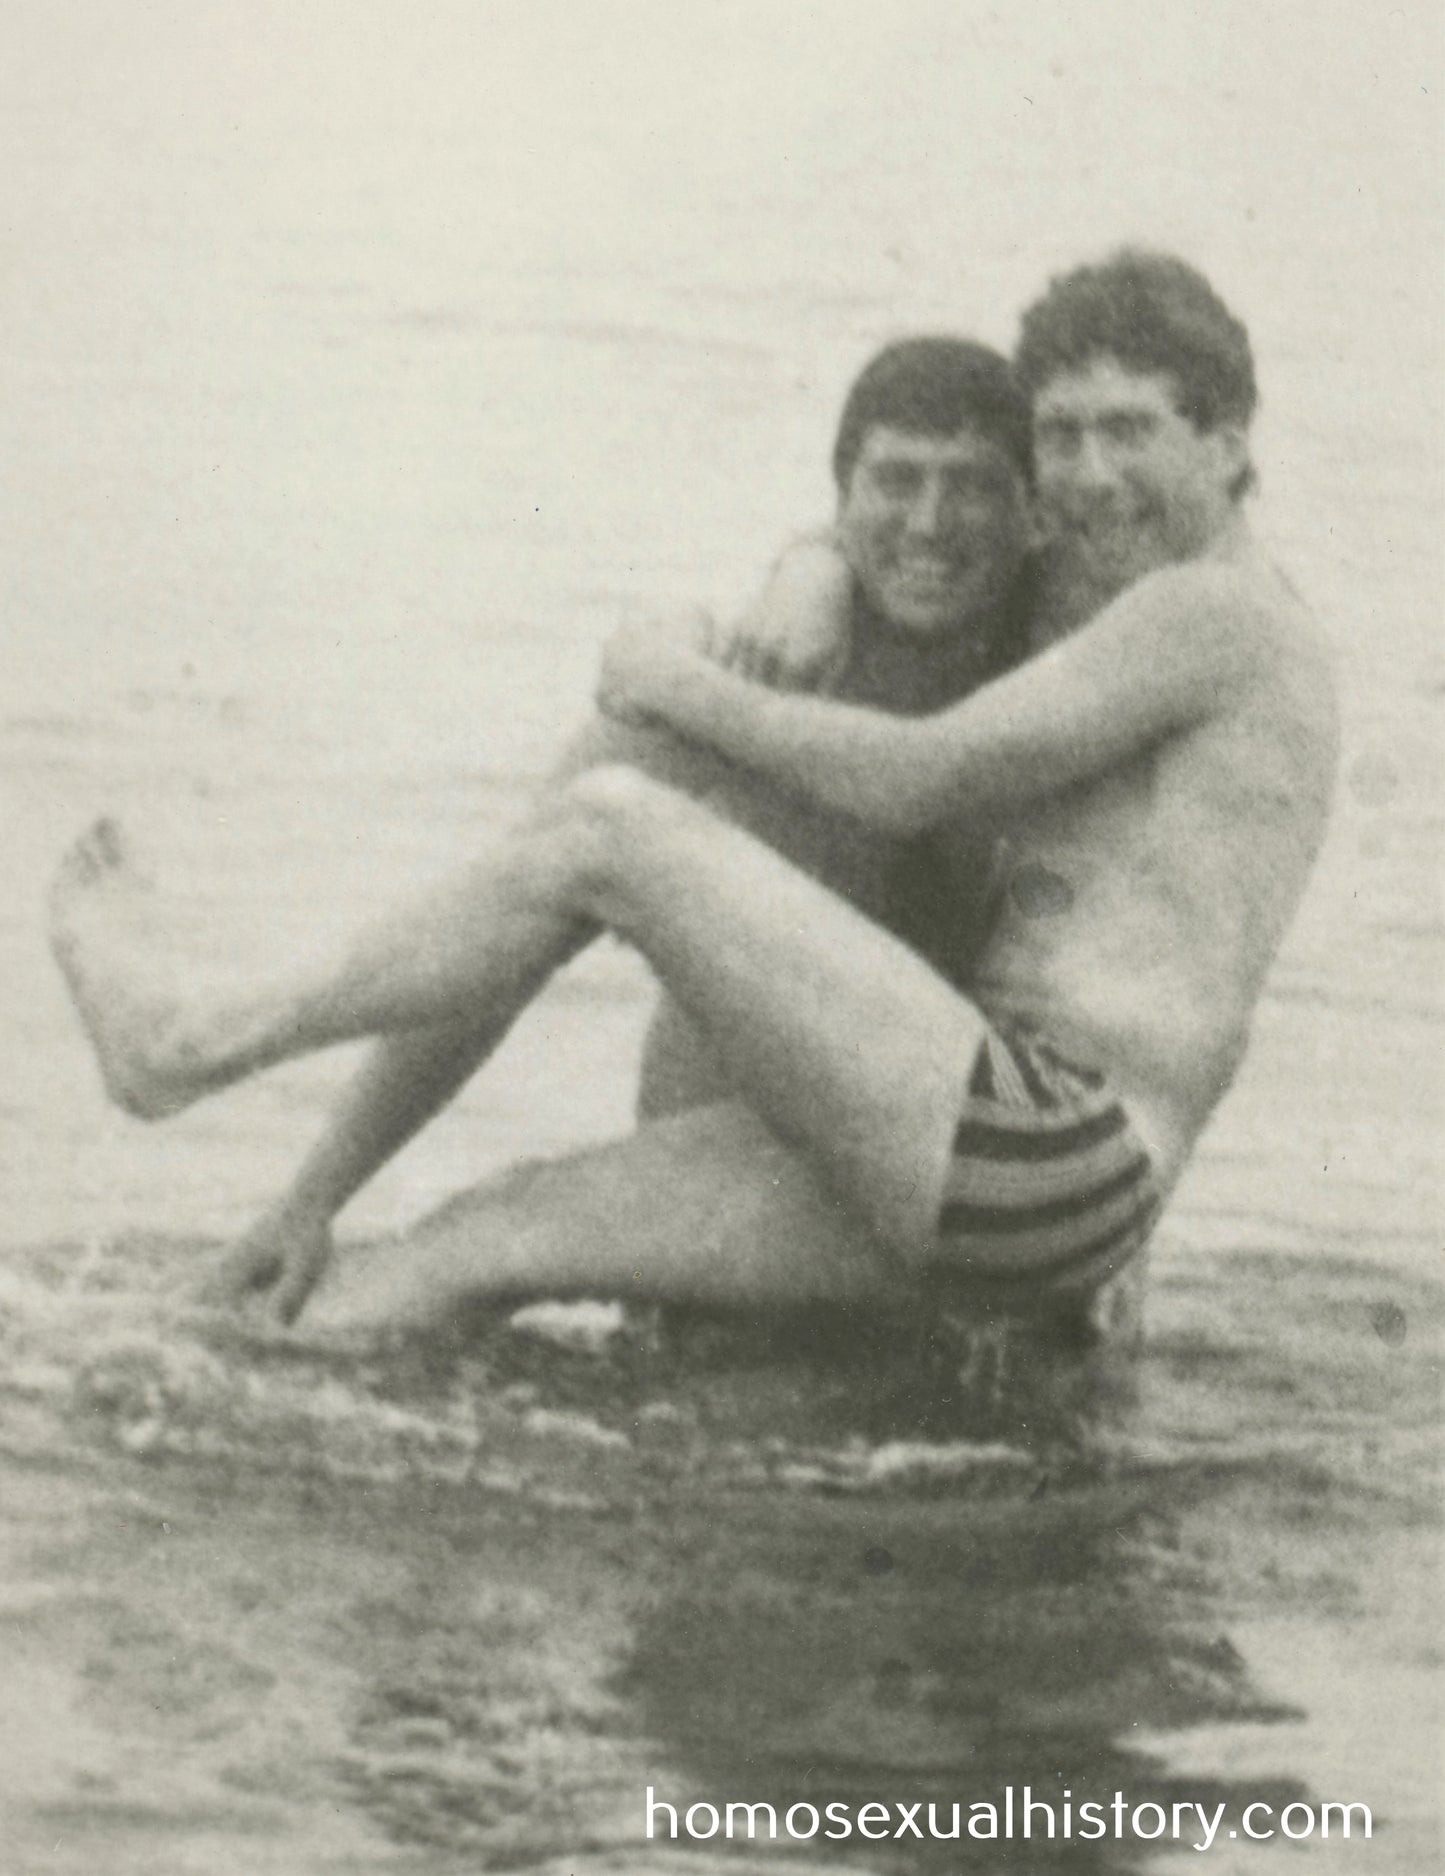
[[797, 634], [1169, 652]]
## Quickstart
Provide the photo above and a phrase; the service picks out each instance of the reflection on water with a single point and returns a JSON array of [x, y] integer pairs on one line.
[[277, 1606]]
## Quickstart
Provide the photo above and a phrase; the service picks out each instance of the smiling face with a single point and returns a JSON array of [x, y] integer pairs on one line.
[[1124, 479], [935, 528]]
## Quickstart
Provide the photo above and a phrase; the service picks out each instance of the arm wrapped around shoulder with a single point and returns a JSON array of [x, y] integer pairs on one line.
[[797, 633]]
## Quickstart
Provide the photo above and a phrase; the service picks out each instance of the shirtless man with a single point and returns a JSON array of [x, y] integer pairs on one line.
[[932, 461], [1161, 772]]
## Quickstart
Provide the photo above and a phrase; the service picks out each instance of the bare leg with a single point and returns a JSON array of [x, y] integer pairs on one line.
[[410, 1076], [844, 1041], [405, 1081], [843, 1038], [705, 1207], [161, 1045]]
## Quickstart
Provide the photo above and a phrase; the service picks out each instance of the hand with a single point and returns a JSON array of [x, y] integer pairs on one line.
[[795, 635], [800, 654], [642, 657]]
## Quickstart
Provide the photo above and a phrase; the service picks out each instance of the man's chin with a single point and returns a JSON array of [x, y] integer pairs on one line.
[[1119, 553], [927, 627], [930, 617]]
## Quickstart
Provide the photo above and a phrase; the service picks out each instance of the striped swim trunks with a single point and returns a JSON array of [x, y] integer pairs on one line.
[[1048, 1184]]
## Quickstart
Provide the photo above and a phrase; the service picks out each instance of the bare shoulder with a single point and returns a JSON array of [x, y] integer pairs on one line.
[[1245, 590], [1267, 675], [1240, 613]]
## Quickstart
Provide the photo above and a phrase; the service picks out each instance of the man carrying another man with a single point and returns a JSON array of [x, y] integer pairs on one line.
[[1158, 774]]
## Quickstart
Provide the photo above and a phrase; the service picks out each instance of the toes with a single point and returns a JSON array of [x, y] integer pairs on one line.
[[107, 848], [108, 842], [102, 855], [305, 1265], [100, 850], [245, 1269], [77, 868]]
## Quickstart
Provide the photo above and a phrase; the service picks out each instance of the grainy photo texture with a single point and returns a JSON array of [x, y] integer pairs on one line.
[[721, 979]]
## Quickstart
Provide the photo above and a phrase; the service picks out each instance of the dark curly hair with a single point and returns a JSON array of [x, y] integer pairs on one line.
[[936, 386], [1152, 312]]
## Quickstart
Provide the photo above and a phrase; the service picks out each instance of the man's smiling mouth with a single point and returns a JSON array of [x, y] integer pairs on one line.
[[928, 571], [1107, 526]]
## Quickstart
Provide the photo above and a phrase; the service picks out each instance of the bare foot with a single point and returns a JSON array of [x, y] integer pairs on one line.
[[102, 931], [307, 1257], [283, 1255], [248, 1267], [395, 1288]]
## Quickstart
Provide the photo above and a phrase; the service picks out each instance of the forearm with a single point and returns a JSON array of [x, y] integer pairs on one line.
[[797, 633], [885, 771], [1172, 651]]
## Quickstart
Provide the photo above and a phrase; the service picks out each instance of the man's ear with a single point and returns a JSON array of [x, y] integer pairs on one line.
[[1232, 448]]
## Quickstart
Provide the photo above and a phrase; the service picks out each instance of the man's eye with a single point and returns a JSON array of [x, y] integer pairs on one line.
[[1056, 435], [1127, 428], [973, 488], [894, 479]]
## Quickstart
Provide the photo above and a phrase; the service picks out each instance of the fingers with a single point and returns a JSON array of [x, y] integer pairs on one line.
[[779, 666], [744, 657], [639, 656], [302, 1271]]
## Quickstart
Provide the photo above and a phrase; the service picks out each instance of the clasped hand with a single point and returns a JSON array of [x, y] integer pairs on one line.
[[643, 659]]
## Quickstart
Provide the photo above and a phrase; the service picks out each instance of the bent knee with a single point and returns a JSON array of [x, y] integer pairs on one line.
[[609, 791], [621, 804], [609, 820], [653, 748]]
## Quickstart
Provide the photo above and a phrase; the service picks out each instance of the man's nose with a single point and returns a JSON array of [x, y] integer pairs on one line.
[[925, 511], [1094, 466]]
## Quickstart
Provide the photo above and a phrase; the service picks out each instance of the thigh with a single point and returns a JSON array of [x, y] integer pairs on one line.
[[844, 1039], [658, 752], [681, 1067], [857, 862]]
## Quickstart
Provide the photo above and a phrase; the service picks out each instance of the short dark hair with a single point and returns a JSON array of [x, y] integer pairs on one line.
[[936, 386], [1153, 312]]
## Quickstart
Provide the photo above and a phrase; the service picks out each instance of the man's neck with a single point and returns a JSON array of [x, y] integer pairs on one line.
[[1071, 590], [894, 670]]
